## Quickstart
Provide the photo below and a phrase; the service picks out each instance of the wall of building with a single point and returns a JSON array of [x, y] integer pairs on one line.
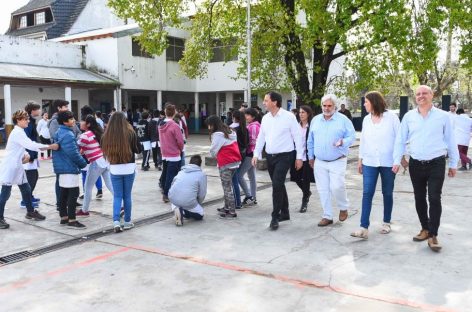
[[148, 73], [102, 56], [21, 95], [95, 15], [38, 52]]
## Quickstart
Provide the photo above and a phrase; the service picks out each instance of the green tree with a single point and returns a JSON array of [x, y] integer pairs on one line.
[[295, 42]]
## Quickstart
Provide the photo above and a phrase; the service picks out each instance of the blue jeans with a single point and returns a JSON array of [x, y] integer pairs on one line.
[[98, 183], [370, 176], [3, 133], [173, 167], [236, 189], [25, 190], [93, 176], [122, 186]]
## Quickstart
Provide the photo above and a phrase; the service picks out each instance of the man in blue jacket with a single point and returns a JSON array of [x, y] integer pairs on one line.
[[188, 191]]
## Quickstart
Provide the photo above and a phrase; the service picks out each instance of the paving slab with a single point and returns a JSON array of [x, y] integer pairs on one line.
[[239, 265]]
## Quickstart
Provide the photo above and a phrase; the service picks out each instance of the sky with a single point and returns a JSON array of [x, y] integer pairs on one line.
[[8, 6]]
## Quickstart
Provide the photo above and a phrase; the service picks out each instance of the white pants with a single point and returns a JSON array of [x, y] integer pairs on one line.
[[330, 180]]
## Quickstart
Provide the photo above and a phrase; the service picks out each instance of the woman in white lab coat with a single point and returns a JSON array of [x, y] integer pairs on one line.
[[11, 168]]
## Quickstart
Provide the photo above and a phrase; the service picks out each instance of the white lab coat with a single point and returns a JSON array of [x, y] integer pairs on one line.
[[11, 168]]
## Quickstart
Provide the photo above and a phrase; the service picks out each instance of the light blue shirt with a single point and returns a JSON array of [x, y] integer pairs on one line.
[[428, 137], [325, 133]]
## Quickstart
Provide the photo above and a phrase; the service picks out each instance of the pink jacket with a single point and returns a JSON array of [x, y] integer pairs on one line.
[[253, 130], [171, 139]]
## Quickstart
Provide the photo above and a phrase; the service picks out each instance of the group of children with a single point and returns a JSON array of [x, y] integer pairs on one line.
[[109, 154]]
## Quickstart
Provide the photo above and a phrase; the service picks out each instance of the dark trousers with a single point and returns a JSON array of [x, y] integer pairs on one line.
[[32, 176], [162, 179], [68, 202], [45, 141], [278, 166], [156, 156], [427, 179], [190, 215], [146, 155], [463, 155], [172, 168], [25, 196]]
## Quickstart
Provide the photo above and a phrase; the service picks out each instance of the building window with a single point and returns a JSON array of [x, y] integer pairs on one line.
[[175, 49], [23, 23], [40, 18], [222, 53], [137, 50]]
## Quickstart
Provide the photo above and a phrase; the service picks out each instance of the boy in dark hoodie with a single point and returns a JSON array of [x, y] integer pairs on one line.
[[31, 168], [144, 137], [67, 163]]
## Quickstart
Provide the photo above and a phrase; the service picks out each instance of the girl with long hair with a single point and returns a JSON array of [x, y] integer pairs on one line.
[[119, 144], [224, 146], [239, 126], [253, 128], [89, 143], [305, 176]]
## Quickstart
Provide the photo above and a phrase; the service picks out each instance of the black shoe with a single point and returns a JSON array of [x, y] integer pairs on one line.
[[76, 225], [463, 168], [274, 224], [99, 194], [64, 221], [35, 215], [222, 209], [228, 215], [81, 196], [145, 168], [283, 218], [3, 224], [304, 206], [159, 167]]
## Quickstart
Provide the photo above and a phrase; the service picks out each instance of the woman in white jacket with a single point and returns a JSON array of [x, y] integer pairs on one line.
[[11, 168]]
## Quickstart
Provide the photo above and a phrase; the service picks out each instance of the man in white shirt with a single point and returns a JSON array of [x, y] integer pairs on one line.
[[462, 131], [279, 131], [430, 136]]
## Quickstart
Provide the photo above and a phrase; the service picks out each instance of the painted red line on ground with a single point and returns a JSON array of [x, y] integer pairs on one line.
[[59, 271], [294, 281]]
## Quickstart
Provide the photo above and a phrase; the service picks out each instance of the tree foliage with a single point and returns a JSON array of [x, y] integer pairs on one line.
[[294, 42]]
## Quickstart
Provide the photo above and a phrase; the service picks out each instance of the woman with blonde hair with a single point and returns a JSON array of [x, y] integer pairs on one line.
[[119, 144], [379, 129]]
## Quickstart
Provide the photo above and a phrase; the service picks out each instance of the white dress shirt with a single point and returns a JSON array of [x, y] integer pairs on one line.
[[429, 137], [378, 140], [463, 129], [279, 133]]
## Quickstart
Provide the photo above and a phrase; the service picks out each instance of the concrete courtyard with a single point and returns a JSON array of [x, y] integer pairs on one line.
[[236, 265]]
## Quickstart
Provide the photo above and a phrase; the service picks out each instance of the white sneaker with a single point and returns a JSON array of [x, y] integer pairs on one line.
[[117, 227], [178, 217], [128, 225]]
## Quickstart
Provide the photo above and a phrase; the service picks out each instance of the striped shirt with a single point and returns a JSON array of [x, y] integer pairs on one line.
[[89, 145]]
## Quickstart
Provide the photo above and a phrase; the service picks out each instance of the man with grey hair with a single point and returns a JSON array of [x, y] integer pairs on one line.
[[331, 135], [430, 136]]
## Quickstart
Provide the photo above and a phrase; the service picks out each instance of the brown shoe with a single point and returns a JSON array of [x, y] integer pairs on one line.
[[325, 222], [342, 215], [434, 244], [423, 235]]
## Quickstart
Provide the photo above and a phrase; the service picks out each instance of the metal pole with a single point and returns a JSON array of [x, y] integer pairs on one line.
[[248, 52]]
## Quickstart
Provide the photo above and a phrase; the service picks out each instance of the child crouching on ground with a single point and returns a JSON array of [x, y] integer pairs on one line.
[[67, 163], [188, 191], [11, 169]]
